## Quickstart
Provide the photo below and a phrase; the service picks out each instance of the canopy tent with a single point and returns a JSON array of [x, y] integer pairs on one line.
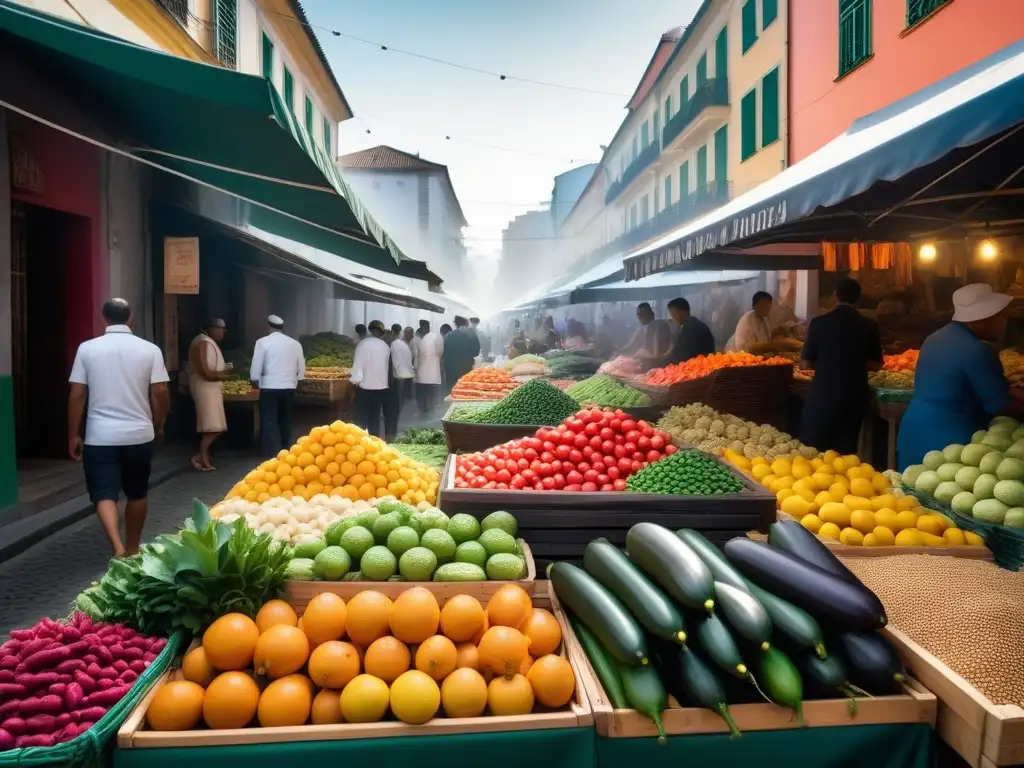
[[663, 286], [939, 164], [187, 118]]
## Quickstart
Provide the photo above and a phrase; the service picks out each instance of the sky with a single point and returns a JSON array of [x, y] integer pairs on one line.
[[412, 104]]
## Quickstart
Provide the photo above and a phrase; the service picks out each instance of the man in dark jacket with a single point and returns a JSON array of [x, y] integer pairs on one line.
[[460, 347], [694, 337]]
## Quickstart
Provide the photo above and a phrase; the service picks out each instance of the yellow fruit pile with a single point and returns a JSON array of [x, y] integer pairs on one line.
[[351, 663], [339, 460]]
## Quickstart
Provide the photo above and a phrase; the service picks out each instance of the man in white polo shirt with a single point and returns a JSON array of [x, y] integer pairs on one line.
[[370, 366], [119, 383], [278, 365]]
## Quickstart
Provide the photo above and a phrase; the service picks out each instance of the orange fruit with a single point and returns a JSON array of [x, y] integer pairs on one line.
[[286, 702], [510, 696], [230, 642], [387, 658], [437, 657], [466, 656], [461, 617], [324, 618], [368, 617], [502, 650], [525, 666], [480, 632], [326, 709], [333, 664], [510, 606], [415, 697], [464, 694], [415, 615], [280, 651], [365, 700], [552, 680], [231, 701], [195, 668], [542, 629], [177, 706]]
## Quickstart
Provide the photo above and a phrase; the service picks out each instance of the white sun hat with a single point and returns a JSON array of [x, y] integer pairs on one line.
[[977, 301]]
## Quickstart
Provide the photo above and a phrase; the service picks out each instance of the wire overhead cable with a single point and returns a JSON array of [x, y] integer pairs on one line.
[[446, 63]]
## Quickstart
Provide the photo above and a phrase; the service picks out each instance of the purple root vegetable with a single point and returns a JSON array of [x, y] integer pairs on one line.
[[14, 726], [7, 741]]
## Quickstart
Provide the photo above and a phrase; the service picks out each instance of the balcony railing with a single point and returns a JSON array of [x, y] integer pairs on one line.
[[712, 93], [178, 9], [647, 156], [690, 207], [919, 9]]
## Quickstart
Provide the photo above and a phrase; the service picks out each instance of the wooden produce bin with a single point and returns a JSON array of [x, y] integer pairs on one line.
[[334, 394], [982, 733], [466, 437], [915, 705], [560, 524], [844, 550], [299, 593], [134, 734]]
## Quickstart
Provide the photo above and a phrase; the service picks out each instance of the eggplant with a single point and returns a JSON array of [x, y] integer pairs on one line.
[[872, 661], [793, 538], [822, 594]]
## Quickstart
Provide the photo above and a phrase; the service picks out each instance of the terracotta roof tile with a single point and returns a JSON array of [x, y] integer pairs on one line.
[[388, 158]]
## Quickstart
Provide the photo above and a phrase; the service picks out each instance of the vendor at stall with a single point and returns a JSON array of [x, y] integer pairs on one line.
[[753, 331], [959, 384], [694, 337], [652, 340], [842, 346]]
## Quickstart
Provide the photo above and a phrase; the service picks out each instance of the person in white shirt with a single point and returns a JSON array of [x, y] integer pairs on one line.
[[753, 331], [119, 383], [370, 371], [429, 352], [402, 372], [278, 365]]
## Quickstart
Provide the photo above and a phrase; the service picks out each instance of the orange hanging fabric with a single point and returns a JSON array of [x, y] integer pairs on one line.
[[828, 256], [857, 257], [904, 265], [882, 255]]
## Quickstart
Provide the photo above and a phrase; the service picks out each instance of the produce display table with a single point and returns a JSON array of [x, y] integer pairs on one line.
[[334, 394], [469, 437], [247, 402]]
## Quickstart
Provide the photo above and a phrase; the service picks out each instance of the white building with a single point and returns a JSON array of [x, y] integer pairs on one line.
[[414, 200]]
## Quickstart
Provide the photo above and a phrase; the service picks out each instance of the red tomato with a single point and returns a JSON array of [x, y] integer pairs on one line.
[[546, 470], [516, 454], [603, 479], [490, 472], [653, 456], [620, 413], [588, 453], [539, 485], [574, 478], [620, 439], [559, 481], [518, 482], [639, 456], [595, 443], [582, 467], [591, 429], [633, 435], [562, 452], [580, 441], [637, 466], [547, 456], [589, 488], [629, 448], [503, 476], [657, 442], [643, 444], [619, 485], [575, 424], [568, 438], [523, 464], [625, 465], [628, 425], [670, 449], [616, 424], [619, 451], [556, 466], [573, 487], [597, 464], [530, 476], [590, 476], [549, 445], [548, 483], [535, 443], [501, 486], [608, 447], [613, 472], [607, 433], [575, 457], [477, 482], [530, 454], [607, 487]]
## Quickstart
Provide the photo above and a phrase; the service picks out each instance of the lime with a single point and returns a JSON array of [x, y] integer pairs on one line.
[[378, 564], [309, 546], [402, 539], [505, 567], [440, 543], [367, 517], [338, 527], [356, 541], [501, 520], [463, 527], [417, 564], [331, 564], [384, 525], [471, 552], [432, 518], [497, 542]]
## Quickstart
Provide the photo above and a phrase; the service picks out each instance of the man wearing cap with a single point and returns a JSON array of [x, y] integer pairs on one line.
[[959, 384], [278, 365], [370, 372]]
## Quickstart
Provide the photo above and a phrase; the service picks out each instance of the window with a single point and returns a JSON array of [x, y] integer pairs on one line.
[[770, 107], [919, 10], [309, 116], [657, 201], [327, 136], [645, 211], [225, 24], [657, 123], [749, 19], [748, 125], [684, 91], [668, 107], [632, 216], [769, 12], [668, 191], [684, 181], [288, 89], [636, 148], [854, 33], [268, 57], [702, 170], [645, 136], [721, 156]]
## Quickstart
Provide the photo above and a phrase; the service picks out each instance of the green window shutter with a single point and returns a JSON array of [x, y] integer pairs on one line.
[[288, 89], [645, 212], [668, 191], [769, 12], [684, 91], [268, 57], [854, 33], [309, 116], [684, 180], [668, 108], [749, 18], [636, 148], [632, 216], [918, 10], [702, 170], [702, 69], [645, 136], [770, 107], [327, 136], [657, 123], [722, 55], [721, 156], [657, 200], [748, 125]]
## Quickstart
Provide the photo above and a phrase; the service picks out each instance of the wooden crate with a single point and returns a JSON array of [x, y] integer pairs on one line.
[[982, 733], [466, 437], [323, 392], [299, 593], [915, 705], [560, 524], [844, 550], [134, 734]]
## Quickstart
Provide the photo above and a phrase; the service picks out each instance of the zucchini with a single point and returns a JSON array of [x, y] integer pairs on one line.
[[796, 624], [665, 558], [745, 614], [721, 569], [601, 612], [665, 658], [848, 605], [873, 662], [703, 685], [791, 537], [824, 678], [646, 694], [646, 602], [781, 681], [604, 665], [716, 641]]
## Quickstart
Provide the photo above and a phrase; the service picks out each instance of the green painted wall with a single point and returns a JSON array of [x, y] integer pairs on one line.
[[8, 465]]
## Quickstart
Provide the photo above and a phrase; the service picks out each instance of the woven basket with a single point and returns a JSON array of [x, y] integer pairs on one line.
[[87, 750]]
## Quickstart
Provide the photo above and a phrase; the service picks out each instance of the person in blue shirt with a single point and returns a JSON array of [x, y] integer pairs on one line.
[[959, 384]]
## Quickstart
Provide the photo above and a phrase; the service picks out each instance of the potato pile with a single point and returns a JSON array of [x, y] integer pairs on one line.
[[712, 432], [967, 613]]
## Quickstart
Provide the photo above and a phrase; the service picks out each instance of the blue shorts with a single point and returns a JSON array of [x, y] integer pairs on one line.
[[111, 469]]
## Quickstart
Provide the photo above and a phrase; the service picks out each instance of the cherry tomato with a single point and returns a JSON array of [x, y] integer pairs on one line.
[[478, 482], [568, 438], [501, 486], [574, 478], [637, 466], [530, 454], [648, 431], [657, 442], [562, 452], [616, 424], [535, 443], [670, 449], [608, 447], [518, 482], [503, 476], [591, 430], [575, 424], [620, 439], [516, 454], [582, 467], [539, 485], [588, 453], [613, 471], [633, 435], [653, 456], [590, 476], [625, 465], [575, 457], [643, 444], [546, 470], [581, 441], [619, 451], [628, 425], [556, 466], [619, 485], [559, 481], [595, 443], [548, 483], [639, 456], [573, 487], [549, 446], [547, 456], [523, 464], [607, 487], [589, 488], [529, 475], [603, 479], [629, 448], [490, 472]]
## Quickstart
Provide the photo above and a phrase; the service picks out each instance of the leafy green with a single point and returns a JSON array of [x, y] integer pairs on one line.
[[188, 579], [420, 436], [431, 455]]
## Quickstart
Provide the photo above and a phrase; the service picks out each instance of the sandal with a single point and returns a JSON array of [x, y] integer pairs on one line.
[[197, 466]]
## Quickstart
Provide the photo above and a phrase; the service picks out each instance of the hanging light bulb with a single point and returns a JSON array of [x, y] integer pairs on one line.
[[987, 250], [927, 252]]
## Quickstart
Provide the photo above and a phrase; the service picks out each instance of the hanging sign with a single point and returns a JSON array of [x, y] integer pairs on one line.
[[181, 265]]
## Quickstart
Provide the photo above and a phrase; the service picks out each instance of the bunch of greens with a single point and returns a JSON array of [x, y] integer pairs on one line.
[[534, 403], [572, 366], [420, 436], [188, 579], [431, 455]]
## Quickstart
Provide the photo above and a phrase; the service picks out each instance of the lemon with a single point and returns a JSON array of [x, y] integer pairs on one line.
[[883, 536], [886, 518], [861, 487], [973, 539], [797, 506], [782, 468], [817, 463], [804, 484], [812, 523], [781, 483], [838, 491], [906, 519], [880, 482], [365, 699], [909, 537], [821, 481], [851, 537], [906, 502], [863, 520], [829, 531], [822, 498], [760, 471], [851, 460], [930, 540], [870, 540], [829, 456], [954, 537], [784, 494], [806, 494], [853, 501], [885, 501], [840, 466], [759, 461], [767, 480], [801, 469], [929, 524], [835, 513]]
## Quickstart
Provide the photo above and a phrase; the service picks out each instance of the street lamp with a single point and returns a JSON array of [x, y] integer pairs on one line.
[[927, 252]]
